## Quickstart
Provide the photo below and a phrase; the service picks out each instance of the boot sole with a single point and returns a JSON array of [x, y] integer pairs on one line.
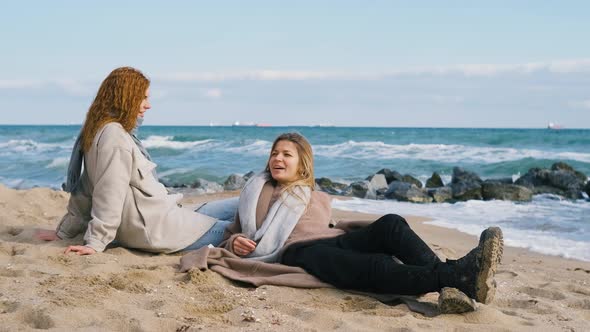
[[453, 301], [492, 243]]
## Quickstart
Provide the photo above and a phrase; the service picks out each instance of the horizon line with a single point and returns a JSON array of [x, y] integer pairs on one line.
[[300, 125]]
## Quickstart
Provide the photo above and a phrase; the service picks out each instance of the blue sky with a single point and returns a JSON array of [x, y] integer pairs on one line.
[[359, 63]]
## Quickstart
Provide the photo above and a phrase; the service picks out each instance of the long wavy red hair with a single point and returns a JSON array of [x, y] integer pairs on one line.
[[118, 100]]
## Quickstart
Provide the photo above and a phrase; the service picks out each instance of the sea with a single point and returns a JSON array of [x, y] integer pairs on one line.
[[33, 156]]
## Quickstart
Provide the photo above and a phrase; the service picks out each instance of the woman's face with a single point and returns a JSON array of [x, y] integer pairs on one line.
[[145, 103], [284, 162]]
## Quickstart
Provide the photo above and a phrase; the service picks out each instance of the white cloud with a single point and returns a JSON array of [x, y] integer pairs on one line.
[[557, 67], [580, 104], [570, 66], [70, 86], [76, 88], [256, 75], [20, 84], [447, 100], [212, 93], [469, 70]]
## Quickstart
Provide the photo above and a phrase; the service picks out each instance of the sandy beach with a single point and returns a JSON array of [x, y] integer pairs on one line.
[[127, 290]]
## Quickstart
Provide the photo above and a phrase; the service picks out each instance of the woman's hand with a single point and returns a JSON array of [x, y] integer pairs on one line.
[[243, 246], [80, 250], [46, 235]]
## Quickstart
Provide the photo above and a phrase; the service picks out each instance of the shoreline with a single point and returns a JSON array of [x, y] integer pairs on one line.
[[124, 289]]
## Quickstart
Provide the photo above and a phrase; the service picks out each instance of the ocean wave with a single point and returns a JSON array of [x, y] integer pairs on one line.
[[167, 142], [547, 225], [375, 150], [58, 162], [28, 145], [450, 153], [257, 148], [12, 182]]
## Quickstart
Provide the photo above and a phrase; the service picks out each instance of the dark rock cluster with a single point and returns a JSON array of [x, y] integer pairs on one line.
[[561, 179]]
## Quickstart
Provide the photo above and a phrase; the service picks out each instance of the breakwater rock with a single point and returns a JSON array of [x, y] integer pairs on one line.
[[561, 179]]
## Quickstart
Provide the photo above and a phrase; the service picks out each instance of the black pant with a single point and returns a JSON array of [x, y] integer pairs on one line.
[[362, 259]]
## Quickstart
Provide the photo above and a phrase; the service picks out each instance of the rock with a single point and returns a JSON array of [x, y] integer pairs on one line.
[[207, 186], [372, 188], [234, 182], [547, 190], [466, 185], [323, 182], [441, 194], [390, 175], [506, 192], [173, 184], [500, 180], [359, 189], [560, 165], [561, 180], [410, 179], [434, 181], [565, 180], [533, 178], [407, 192], [378, 182], [327, 185]]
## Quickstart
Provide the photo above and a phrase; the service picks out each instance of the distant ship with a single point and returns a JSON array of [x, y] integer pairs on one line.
[[554, 126], [248, 124]]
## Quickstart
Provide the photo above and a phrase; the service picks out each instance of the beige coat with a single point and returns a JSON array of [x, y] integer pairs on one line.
[[120, 199]]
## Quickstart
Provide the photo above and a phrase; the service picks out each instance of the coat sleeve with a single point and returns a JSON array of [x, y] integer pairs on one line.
[[231, 233], [112, 177], [76, 219]]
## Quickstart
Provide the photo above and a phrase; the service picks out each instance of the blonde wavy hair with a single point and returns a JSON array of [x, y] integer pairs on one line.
[[305, 167], [118, 100]]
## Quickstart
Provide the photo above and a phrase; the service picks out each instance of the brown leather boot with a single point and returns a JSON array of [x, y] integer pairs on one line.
[[474, 273]]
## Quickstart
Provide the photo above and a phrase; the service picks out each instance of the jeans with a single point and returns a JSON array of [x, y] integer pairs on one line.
[[213, 236], [223, 209], [362, 259]]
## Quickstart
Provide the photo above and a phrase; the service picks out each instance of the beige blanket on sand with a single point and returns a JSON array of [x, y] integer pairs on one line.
[[259, 273], [253, 272]]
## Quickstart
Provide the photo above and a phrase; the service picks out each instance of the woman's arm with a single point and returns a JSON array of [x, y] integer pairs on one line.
[[235, 241], [76, 218], [75, 221]]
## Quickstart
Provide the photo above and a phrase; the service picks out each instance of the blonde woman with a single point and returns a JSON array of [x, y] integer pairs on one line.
[[282, 219], [117, 197]]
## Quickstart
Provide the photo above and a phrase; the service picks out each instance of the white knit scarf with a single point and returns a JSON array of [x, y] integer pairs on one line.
[[280, 221]]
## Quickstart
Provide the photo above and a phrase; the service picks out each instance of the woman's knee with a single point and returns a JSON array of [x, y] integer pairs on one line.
[[393, 220], [389, 224]]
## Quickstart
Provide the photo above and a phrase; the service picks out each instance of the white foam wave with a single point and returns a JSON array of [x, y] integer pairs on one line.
[[12, 183], [27, 145], [58, 162], [546, 225], [257, 148], [175, 171], [169, 143], [451, 153]]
